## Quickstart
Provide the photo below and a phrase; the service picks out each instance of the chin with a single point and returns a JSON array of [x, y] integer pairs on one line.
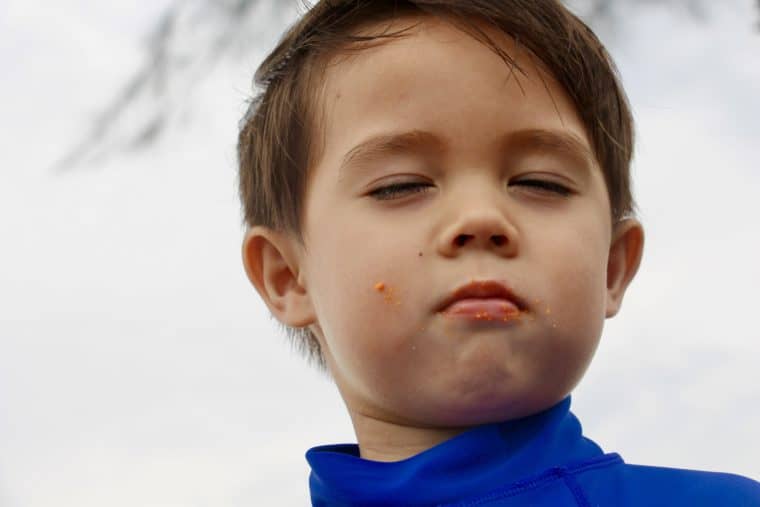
[[491, 405], [460, 412]]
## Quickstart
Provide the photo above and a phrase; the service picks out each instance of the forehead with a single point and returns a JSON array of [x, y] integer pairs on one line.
[[438, 78]]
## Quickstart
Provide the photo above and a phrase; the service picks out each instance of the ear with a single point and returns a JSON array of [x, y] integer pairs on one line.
[[273, 266], [626, 248]]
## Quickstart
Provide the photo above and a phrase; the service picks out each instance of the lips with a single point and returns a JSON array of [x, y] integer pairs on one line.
[[483, 295]]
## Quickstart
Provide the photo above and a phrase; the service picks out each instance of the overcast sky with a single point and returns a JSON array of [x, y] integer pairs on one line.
[[139, 367]]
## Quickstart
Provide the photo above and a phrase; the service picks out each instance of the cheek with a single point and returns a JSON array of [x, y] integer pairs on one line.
[[369, 328], [573, 313], [365, 304], [579, 279], [360, 278]]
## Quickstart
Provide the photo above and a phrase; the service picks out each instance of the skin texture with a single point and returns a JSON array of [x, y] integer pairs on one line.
[[374, 271]]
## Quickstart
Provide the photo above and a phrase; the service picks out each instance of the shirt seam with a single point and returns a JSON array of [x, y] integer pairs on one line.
[[575, 489], [544, 478]]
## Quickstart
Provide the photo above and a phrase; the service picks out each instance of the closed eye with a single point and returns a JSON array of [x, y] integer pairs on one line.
[[395, 190], [391, 191], [543, 185]]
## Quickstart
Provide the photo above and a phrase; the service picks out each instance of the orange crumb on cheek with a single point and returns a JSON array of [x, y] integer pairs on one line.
[[388, 297]]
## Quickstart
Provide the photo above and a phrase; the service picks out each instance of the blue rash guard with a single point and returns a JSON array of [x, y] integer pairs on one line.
[[539, 460]]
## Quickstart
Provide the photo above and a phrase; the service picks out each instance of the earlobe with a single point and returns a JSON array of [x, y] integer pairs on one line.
[[273, 268], [626, 249]]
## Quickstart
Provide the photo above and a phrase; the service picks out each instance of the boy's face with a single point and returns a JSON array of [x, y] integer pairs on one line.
[[477, 212]]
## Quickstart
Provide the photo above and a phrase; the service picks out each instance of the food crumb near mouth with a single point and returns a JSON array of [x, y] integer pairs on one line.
[[388, 296], [388, 293]]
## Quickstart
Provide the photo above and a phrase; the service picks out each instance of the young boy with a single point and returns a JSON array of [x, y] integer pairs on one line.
[[439, 210]]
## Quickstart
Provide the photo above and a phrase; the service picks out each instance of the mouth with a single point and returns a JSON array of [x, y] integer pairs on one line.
[[483, 300]]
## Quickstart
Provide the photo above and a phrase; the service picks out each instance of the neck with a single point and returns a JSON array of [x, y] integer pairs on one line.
[[382, 439]]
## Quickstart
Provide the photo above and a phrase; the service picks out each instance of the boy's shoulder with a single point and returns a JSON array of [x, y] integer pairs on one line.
[[656, 485]]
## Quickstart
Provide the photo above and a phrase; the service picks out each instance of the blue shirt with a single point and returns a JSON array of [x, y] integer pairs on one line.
[[539, 460]]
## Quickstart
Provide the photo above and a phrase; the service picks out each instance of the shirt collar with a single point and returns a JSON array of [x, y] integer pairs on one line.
[[476, 461]]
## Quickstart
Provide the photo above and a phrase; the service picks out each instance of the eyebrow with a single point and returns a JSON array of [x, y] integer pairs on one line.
[[383, 145], [559, 142], [513, 144]]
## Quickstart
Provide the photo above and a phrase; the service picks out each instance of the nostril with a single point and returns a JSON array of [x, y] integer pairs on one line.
[[498, 240], [462, 239]]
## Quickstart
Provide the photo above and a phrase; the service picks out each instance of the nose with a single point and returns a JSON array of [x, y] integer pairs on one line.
[[481, 228]]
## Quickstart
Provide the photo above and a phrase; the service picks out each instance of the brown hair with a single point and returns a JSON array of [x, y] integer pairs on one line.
[[277, 140]]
